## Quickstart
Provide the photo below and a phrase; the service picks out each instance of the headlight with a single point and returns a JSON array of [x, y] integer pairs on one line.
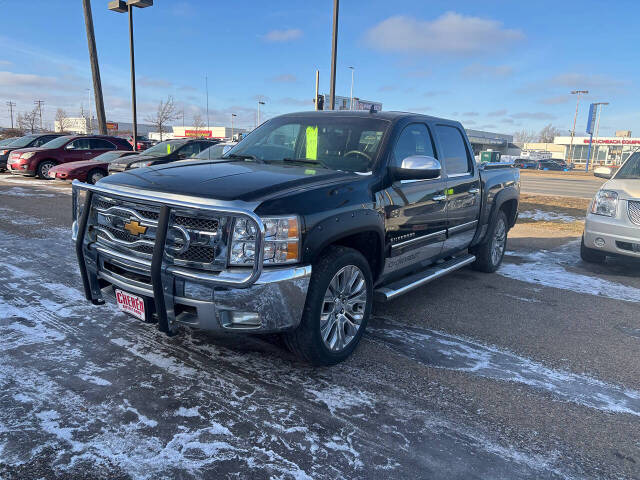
[[140, 164], [79, 197], [605, 203], [281, 241], [27, 155]]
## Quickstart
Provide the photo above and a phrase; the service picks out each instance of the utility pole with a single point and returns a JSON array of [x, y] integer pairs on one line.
[[95, 68], [39, 104], [334, 53], [260, 102], [315, 99], [573, 132], [11, 104], [206, 86], [351, 102], [232, 115]]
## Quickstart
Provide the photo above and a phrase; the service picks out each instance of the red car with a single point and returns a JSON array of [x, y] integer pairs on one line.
[[88, 170], [143, 143], [70, 148]]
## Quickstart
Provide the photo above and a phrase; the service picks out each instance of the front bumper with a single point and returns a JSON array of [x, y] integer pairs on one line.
[[613, 235], [20, 169], [250, 299]]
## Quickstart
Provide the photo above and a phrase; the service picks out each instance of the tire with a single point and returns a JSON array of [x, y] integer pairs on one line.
[[94, 175], [590, 255], [337, 317], [43, 169], [490, 253]]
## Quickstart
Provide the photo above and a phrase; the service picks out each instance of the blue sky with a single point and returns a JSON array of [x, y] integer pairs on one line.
[[495, 65]]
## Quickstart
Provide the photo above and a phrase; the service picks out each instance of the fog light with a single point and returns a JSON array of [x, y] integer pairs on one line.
[[599, 242], [239, 320], [197, 291]]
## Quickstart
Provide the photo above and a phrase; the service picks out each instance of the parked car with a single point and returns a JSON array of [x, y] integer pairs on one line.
[[63, 149], [523, 163], [7, 141], [550, 165], [163, 152], [612, 226], [216, 151], [89, 171], [142, 144], [28, 141], [312, 216]]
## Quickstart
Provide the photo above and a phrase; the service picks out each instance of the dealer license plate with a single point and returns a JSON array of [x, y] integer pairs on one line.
[[131, 304]]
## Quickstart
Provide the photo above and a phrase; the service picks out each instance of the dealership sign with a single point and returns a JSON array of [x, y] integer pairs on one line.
[[112, 126], [608, 141], [198, 133]]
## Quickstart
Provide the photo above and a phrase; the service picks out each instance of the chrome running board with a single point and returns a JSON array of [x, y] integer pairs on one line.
[[404, 285]]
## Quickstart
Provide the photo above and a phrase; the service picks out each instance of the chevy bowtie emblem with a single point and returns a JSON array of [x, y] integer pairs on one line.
[[134, 228]]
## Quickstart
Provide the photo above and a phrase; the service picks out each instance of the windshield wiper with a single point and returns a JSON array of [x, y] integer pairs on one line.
[[242, 156], [304, 160]]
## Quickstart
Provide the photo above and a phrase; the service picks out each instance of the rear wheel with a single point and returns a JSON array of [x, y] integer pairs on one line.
[[338, 306], [43, 169], [590, 255], [95, 175], [490, 253]]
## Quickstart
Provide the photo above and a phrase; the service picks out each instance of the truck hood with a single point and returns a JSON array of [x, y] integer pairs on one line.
[[628, 189], [240, 180]]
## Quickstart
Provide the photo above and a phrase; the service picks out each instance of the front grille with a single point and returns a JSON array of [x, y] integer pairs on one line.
[[204, 224], [105, 204], [634, 211], [198, 254]]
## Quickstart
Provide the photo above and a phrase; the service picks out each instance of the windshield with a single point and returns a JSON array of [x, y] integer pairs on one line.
[[631, 168], [340, 143], [56, 142], [164, 148], [7, 141], [23, 141], [110, 156], [214, 152]]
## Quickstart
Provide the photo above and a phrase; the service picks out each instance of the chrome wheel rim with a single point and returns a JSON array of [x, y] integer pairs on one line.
[[45, 169], [499, 242], [343, 308], [96, 176]]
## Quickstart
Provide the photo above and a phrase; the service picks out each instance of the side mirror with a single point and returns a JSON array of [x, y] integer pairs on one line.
[[603, 172], [417, 167]]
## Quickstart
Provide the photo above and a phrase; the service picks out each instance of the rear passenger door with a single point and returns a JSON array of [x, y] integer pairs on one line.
[[100, 146], [79, 149], [462, 187], [415, 216]]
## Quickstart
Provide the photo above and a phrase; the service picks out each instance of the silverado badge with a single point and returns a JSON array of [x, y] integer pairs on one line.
[[134, 228]]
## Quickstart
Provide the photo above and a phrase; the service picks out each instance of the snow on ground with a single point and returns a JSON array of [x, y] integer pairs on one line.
[[26, 192], [452, 352], [542, 216], [556, 269]]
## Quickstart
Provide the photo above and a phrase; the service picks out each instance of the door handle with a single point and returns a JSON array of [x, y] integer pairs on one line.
[[439, 198], [474, 191]]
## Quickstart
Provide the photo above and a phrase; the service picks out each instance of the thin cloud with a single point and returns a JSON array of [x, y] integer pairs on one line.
[[557, 100], [434, 93], [497, 113], [284, 78], [298, 102], [5, 63], [533, 116], [387, 88], [470, 114], [451, 33], [154, 82], [275, 36], [487, 71]]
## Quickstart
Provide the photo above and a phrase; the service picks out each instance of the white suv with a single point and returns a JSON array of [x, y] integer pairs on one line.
[[613, 219]]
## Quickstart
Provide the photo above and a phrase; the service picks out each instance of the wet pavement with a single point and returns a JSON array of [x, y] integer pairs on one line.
[[529, 373]]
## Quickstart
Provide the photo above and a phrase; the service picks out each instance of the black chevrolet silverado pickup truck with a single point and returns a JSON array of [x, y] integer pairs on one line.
[[297, 229]]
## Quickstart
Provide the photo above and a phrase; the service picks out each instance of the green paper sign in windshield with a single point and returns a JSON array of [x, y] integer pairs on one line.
[[312, 143]]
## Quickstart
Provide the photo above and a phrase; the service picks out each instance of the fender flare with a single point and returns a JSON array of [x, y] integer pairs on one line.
[[505, 195]]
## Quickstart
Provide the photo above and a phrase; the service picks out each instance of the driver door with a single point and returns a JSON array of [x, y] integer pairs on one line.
[[415, 210], [79, 149]]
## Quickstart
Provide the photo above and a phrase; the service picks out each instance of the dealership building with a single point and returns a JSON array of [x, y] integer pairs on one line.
[[605, 151]]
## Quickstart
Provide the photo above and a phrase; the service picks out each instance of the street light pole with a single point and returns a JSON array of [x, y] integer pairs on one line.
[[575, 117], [206, 86], [232, 115], [121, 6], [351, 102], [334, 53], [260, 102]]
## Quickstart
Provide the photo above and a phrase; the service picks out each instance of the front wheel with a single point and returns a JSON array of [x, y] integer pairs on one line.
[[490, 253], [590, 255], [95, 175], [338, 306], [43, 169]]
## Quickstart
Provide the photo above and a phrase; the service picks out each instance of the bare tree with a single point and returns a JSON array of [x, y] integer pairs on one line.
[[62, 120], [28, 121], [524, 136], [198, 124], [166, 113], [548, 133]]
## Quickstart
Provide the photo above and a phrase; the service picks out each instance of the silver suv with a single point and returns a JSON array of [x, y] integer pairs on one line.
[[613, 219]]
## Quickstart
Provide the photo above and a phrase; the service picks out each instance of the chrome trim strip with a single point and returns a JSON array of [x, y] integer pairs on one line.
[[456, 175], [125, 286], [463, 227], [121, 256], [386, 293], [121, 242], [107, 212], [417, 239]]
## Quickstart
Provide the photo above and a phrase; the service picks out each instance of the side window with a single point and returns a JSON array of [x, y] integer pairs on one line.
[[415, 139], [190, 150], [42, 140], [454, 150], [101, 144], [79, 144]]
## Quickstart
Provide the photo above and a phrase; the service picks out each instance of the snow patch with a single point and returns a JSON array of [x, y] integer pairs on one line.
[[542, 216]]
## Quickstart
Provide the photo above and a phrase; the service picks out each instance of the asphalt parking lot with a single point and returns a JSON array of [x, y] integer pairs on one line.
[[533, 372]]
